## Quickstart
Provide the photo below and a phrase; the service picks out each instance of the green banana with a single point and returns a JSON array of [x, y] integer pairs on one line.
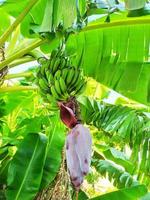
[[45, 81], [75, 82], [57, 87], [62, 85], [52, 62], [42, 92], [79, 81], [80, 88], [63, 63], [42, 69], [76, 85], [56, 65], [54, 93], [49, 77], [43, 85], [76, 77], [70, 76], [57, 53], [50, 98], [49, 65], [65, 73], [54, 53], [57, 74], [58, 78]]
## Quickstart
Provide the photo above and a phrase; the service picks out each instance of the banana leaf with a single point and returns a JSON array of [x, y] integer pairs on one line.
[[56, 138], [116, 54], [132, 193], [26, 168]]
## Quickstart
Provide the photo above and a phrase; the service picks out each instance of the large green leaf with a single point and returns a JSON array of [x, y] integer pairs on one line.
[[56, 137], [14, 7], [121, 122], [118, 157], [46, 15], [33, 124], [116, 54], [132, 193], [125, 127], [121, 179], [26, 168]]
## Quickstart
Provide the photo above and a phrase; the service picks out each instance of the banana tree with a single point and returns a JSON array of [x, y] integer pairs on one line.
[[72, 41]]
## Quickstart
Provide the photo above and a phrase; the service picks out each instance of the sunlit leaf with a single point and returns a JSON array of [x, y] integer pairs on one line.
[[25, 170]]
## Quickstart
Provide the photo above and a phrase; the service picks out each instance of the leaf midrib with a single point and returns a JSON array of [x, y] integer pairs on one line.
[[126, 22], [27, 170]]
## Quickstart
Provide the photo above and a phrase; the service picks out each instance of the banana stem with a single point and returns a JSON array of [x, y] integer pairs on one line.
[[22, 52], [77, 192], [117, 23], [36, 54], [17, 88], [18, 75], [11, 28], [20, 61]]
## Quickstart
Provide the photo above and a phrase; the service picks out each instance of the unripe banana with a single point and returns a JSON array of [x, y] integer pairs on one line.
[[54, 93], [50, 98], [42, 69], [57, 75], [69, 79], [57, 87], [48, 77], [80, 89], [62, 85], [49, 65], [54, 53], [79, 81], [63, 63], [75, 77], [70, 76], [56, 65], [65, 73], [52, 65], [43, 85], [76, 81], [42, 92]]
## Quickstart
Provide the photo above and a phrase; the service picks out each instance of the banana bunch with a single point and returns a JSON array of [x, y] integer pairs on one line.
[[58, 80], [78, 154]]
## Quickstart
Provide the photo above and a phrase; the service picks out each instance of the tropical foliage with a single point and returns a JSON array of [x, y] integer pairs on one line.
[[109, 41]]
